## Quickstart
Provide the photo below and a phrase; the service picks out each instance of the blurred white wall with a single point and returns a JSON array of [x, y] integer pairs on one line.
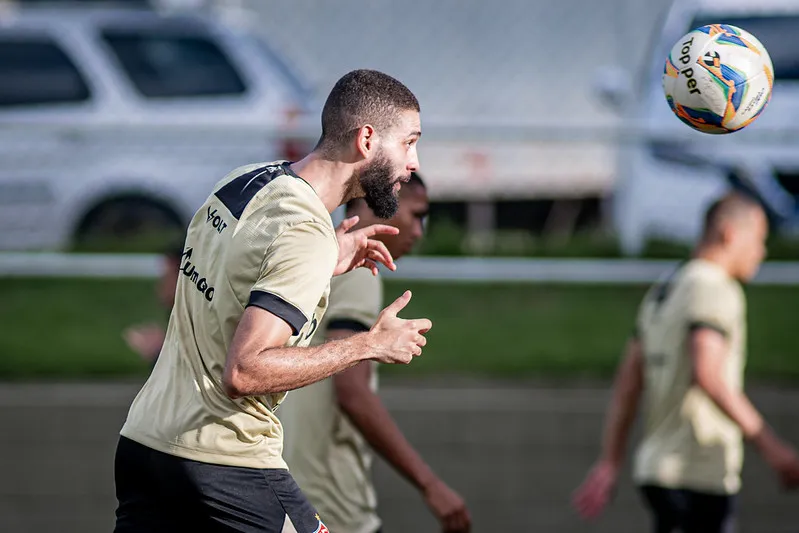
[[513, 60]]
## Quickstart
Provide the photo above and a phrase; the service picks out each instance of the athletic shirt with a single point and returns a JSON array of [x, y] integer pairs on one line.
[[326, 454], [262, 238], [688, 442]]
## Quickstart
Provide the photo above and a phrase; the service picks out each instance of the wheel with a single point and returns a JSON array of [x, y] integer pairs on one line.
[[129, 224]]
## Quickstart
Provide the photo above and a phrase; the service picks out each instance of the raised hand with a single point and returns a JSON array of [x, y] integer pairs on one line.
[[358, 249], [397, 340]]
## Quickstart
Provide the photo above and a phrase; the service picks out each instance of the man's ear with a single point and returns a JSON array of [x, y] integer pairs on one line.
[[366, 140], [726, 232]]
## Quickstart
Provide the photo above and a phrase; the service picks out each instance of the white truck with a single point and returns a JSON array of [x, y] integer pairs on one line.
[[116, 122], [668, 173]]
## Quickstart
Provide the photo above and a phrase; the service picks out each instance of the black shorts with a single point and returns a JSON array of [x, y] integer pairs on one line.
[[689, 511], [158, 492]]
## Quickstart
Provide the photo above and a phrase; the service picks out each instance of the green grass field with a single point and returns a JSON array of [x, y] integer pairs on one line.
[[70, 328]]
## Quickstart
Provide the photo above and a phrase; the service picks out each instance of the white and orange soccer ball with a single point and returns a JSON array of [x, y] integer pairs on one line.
[[718, 78]]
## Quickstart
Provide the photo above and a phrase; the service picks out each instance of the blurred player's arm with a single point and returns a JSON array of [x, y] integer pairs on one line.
[[709, 348], [368, 414], [627, 388], [595, 492]]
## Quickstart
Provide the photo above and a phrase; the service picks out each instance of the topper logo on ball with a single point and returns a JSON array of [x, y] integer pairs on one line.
[[685, 58]]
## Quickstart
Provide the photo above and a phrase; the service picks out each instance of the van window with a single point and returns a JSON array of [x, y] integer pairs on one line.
[[288, 73], [34, 70], [780, 36], [174, 65]]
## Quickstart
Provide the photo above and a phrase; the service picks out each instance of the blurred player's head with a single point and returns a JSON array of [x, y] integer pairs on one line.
[[409, 218], [736, 227], [372, 121]]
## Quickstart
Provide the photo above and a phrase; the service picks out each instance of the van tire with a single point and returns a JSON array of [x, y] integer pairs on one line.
[[129, 223]]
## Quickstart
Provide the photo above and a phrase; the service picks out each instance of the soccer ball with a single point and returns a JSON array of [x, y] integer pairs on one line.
[[718, 78]]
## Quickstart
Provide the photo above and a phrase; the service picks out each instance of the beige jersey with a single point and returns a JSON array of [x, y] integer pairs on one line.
[[688, 442], [263, 238], [327, 456]]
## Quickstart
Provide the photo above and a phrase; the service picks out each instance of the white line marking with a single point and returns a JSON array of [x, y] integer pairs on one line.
[[439, 269]]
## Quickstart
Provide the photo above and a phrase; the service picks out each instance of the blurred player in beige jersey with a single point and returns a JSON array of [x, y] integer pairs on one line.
[[331, 425], [688, 358], [201, 449]]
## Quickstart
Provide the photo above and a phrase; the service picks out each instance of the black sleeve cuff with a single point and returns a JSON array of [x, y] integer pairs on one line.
[[348, 324], [700, 324], [280, 308]]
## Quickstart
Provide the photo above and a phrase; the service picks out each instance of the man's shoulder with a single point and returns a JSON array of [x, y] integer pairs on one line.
[[271, 197], [248, 171], [707, 279]]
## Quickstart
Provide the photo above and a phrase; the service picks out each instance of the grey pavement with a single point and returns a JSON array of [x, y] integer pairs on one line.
[[514, 450]]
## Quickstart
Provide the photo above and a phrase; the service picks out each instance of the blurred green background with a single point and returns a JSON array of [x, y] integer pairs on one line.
[[71, 328]]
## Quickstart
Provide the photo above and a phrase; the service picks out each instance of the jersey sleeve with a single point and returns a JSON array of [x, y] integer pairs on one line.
[[714, 305], [356, 300], [295, 273]]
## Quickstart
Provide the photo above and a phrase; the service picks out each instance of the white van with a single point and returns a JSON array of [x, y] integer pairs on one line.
[[115, 122], [669, 173]]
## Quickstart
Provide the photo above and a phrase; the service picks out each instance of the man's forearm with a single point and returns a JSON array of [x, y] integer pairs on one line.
[[736, 406], [617, 430], [627, 390], [374, 422], [282, 369]]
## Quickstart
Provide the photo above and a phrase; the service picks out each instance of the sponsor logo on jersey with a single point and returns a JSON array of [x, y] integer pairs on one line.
[[190, 271], [216, 220]]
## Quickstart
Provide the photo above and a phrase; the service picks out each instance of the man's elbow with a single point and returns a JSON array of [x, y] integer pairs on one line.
[[706, 382], [233, 384], [237, 383], [709, 380]]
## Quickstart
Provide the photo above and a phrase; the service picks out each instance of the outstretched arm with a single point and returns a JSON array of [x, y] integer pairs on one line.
[[593, 495], [708, 348], [627, 389], [258, 362], [370, 416]]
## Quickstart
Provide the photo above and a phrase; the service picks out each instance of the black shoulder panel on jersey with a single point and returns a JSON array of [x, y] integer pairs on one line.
[[238, 193], [704, 324]]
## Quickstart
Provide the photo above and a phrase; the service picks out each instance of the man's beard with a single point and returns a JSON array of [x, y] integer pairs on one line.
[[377, 182]]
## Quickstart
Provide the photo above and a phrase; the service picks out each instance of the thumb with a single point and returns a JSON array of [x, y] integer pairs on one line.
[[398, 305], [347, 224]]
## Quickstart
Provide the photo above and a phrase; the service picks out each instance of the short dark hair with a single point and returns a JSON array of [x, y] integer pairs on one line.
[[363, 97], [415, 181], [730, 206]]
